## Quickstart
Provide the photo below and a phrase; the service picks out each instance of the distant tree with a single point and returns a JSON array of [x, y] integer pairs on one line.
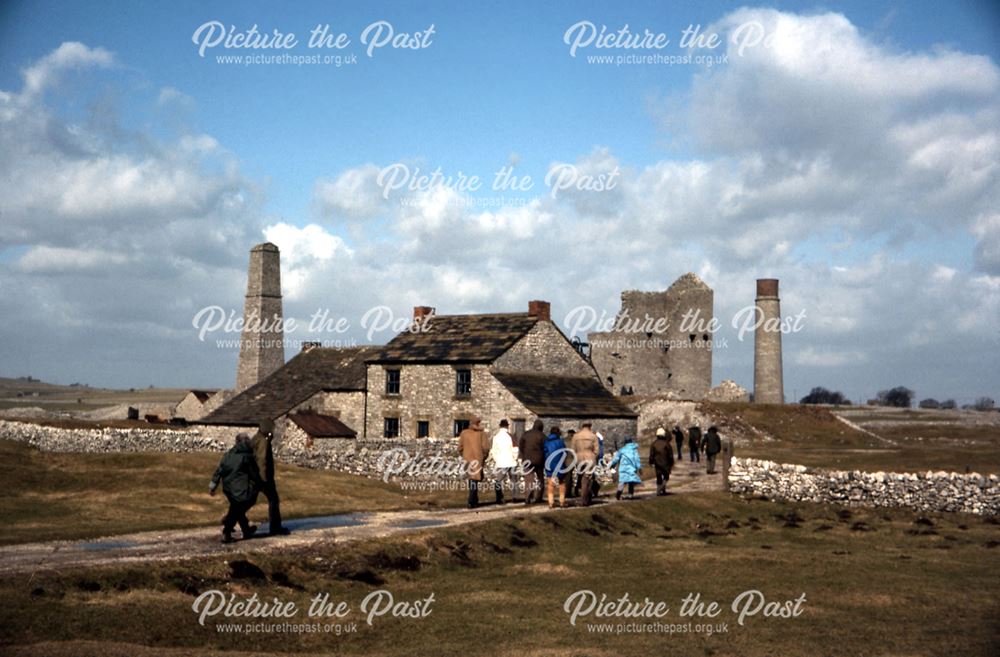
[[929, 403], [984, 404], [898, 397], [820, 395], [949, 404]]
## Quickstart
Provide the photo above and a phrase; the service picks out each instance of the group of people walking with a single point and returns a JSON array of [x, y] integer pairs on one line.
[[246, 471], [568, 465]]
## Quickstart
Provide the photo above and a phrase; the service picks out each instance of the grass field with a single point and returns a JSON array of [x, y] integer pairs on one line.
[[876, 582], [903, 441], [49, 496]]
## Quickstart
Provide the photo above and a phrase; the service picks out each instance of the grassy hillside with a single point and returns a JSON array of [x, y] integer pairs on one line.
[[875, 582], [905, 442], [49, 496]]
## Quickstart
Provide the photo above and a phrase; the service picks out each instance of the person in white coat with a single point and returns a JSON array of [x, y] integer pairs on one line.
[[504, 458]]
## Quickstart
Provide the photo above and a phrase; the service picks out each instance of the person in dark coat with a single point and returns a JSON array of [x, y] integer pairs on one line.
[[661, 457], [532, 455], [712, 445], [264, 453], [679, 439], [694, 443], [241, 482]]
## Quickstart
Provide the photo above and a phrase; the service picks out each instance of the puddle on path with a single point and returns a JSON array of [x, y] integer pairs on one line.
[[323, 522], [97, 546]]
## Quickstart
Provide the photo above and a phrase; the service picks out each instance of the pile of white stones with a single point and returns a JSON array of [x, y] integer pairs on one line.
[[929, 491]]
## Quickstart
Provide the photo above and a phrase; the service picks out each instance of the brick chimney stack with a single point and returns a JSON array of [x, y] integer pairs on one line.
[[540, 309], [420, 313]]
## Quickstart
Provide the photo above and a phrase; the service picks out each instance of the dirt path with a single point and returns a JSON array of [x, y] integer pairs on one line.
[[687, 478]]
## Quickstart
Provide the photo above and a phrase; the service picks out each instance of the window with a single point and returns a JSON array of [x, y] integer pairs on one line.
[[460, 426], [518, 428], [391, 427], [423, 429], [463, 383], [392, 382]]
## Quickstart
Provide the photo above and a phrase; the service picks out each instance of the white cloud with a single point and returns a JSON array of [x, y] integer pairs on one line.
[[70, 55]]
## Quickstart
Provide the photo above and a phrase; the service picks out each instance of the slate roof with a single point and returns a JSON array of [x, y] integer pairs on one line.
[[564, 396], [322, 426], [303, 376], [457, 339]]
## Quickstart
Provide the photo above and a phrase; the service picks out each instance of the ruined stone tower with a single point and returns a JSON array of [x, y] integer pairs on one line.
[[768, 387], [262, 348], [660, 342]]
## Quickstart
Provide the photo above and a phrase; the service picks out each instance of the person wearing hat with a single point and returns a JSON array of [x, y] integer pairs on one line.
[[472, 447], [264, 455], [661, 457]]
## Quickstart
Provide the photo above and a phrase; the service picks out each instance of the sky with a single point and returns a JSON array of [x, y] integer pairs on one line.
[[849, 149]]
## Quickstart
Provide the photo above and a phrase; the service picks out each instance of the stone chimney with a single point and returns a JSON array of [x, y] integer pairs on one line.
[[262, 349], [768, 387], [540, 309]]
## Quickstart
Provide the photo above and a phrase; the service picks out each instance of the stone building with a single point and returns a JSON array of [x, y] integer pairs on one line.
[[431, 380], [322, 381], [193, 406], [314, 431], [660, 342]]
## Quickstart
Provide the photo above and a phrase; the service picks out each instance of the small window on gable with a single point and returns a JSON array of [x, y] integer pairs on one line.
[[390, 427], [423, 428]]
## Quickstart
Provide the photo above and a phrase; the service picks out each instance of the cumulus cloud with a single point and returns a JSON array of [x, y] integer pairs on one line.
[[112, 239]]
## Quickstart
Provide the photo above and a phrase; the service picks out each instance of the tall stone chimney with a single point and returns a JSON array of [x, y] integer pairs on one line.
[[262, 349], [768, 387]]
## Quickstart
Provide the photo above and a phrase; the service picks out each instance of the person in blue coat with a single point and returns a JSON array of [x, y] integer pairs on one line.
[[558, 462], [629, 466]]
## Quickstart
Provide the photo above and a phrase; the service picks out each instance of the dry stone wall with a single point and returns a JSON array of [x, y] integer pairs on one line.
[[930, 491]]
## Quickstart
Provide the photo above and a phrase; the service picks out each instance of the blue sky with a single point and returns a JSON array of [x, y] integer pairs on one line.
[[497, 85]]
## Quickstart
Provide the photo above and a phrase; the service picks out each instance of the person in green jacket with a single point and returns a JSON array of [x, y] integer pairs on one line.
[[241, 482]]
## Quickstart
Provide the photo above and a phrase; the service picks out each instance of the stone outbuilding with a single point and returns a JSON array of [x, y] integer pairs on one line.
[[319, 380], [193, 406], [313, 431]]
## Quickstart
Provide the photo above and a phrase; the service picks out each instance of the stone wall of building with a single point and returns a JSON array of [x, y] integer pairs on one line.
[[930, 491], [652, 349], [346, 406], [190, 408], [427, 393], [544, 350]]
